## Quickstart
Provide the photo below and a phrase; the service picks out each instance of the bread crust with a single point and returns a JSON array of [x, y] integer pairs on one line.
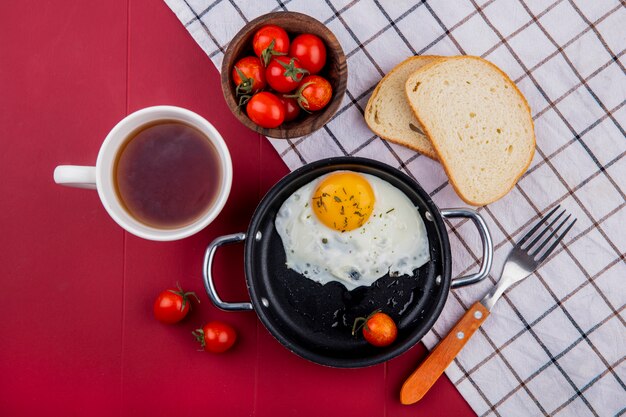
[[531, 155], [427, 152]]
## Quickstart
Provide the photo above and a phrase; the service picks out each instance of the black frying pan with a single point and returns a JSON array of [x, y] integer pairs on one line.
[[314, 320]]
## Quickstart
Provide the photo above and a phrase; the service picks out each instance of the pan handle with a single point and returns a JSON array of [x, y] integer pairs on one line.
[[208, 275], [487, 244]]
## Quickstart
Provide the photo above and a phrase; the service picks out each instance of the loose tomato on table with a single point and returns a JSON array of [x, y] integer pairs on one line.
[[266, 110], [292, 110], [269, 41], [310, 51], [378, 329], [172, 305], [216, 336], [284, 74], [314, 93], [248, 75]]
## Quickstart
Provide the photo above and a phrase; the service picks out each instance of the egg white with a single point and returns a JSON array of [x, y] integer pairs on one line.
[[393, 240]]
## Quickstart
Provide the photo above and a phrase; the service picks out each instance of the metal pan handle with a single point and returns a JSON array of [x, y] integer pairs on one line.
[[487, 244], [208, 275]]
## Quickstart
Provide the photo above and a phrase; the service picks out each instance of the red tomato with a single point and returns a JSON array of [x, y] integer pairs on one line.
[[249, 75], [378, 329], [314, 93], [292, 110], [270, 40], [172, 305], [266, 110], [216, 337], [284, 74], [311, 52]]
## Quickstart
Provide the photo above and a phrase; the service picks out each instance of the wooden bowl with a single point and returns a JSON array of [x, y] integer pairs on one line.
[[335, 71]]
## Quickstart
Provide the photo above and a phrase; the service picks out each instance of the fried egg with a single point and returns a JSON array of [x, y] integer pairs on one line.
[[352, 228]]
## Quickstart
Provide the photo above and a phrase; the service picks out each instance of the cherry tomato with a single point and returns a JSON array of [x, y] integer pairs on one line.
[[310, 50], [248, 75], [216, 337], [266, 110], [269, 41], [314, 93], [284, 74], [378, 329], [172, 305], [292, 110]]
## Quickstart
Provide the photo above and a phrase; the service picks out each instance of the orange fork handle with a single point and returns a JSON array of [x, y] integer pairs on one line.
[[420, 381]]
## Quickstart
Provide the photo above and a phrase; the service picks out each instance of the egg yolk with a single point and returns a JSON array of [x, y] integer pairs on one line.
[[343, 201]]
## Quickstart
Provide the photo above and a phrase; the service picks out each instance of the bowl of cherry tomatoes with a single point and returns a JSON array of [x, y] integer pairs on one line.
[[284, 75]]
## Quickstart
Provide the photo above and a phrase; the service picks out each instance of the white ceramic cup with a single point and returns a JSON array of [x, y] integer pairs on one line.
[[101, 176]]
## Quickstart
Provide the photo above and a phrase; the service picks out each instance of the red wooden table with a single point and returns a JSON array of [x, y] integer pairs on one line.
[[77, 333]]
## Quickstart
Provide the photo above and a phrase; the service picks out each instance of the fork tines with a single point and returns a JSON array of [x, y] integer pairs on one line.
[[545, 229]]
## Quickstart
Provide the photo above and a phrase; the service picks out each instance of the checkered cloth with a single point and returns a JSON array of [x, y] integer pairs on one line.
[[555, 343]]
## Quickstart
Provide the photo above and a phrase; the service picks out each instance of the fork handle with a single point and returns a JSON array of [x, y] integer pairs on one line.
[[426, 374]]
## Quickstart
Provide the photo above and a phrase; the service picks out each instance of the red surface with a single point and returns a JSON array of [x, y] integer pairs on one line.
[[78, 337]]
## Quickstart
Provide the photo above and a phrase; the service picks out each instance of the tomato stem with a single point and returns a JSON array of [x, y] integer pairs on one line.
[[364, 320], [292, 71], [199, 335], [354, 326], [244, 100], [269, 52], [300, 99], [184, 295], [246, 84]]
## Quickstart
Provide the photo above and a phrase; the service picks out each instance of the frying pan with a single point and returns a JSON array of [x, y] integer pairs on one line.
[[314, 320]]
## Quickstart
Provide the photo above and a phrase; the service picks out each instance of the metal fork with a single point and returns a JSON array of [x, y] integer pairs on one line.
[[521, 261]]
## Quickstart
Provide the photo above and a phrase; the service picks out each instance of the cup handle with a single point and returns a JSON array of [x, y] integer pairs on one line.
[[75, 176]]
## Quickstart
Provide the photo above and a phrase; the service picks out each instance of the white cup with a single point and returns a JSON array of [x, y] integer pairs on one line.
[[101, 176]]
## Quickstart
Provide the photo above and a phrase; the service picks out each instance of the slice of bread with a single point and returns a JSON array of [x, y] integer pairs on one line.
[[388, 113], [478, 122]]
